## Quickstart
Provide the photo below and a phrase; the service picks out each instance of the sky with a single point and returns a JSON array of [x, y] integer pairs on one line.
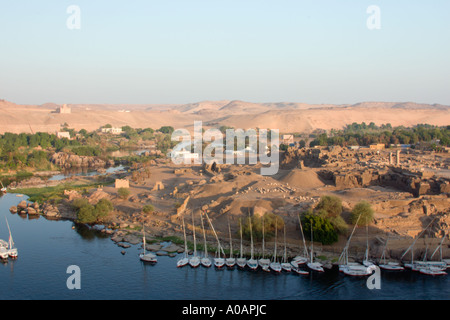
[[183, 51]]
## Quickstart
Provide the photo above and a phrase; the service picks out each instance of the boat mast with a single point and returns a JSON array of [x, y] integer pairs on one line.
[[285, 249], [312, 242], [219, 248], [263, 237], [240, 228], [275, 249], [303, 237], [231, 242], [185, 241], [193, 229], [439, 247], [251, 238], [143, 238], [11, 242], [204, 235]]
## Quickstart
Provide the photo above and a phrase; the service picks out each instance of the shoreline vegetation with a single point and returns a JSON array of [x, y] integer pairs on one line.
[[160, 193]]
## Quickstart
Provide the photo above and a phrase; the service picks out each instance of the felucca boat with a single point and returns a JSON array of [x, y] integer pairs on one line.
[[146, 256], [230, 261], [315, 266], [251, 263], [285, 265], [184, 261], [205, 261], [275, 265], [241, 261], [264, 263]]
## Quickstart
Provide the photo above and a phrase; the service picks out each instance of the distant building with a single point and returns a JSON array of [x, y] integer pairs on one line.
[[64, 109], [122, 183], [287, 139], [112, 130], [377, 146], [184, 155], [63, 134]]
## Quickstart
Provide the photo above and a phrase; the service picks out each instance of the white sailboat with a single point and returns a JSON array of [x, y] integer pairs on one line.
[[286, 266], [264, 262], [275, 265], [184, 260], [194, 261], [251, 263], [241, 261], [301, 259], [230, 261], [367, 262], [205, 260], [415, 265], [12, 251], [352, 268], [315, 266], [388, 265], [146, 256], [3, 189], [219, 262]]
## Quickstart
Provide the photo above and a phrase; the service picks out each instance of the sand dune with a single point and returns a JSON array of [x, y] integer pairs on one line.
[[302, 179], [285, 116]]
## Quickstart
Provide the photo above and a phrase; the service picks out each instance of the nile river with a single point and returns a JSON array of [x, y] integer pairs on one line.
[[47, 248]]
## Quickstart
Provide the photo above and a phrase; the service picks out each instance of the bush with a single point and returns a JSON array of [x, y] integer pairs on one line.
[[323, 230], [88, 213], [148, 208], [123, 193], [331, 204], [103, 208], [363, 209]]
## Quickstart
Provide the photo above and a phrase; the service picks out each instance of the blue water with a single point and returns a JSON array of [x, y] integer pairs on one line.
[[47, 248]]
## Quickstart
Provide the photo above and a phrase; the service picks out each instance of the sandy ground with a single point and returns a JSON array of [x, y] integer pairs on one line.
[[285, 116], [240, 190]]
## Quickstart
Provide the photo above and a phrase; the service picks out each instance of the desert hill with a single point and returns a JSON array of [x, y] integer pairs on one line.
[[285, 116]]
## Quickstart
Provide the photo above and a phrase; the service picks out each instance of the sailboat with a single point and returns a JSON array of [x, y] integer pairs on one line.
[[298, 260], [241, 261], [433, 268], [219, 262], [194, 261], [251, 263], [286, 266], [230, 261], [146, 257], [264, 262], [3, 189], [205, 261], [315, 266], [366, 261], [184, 261], [414, 265], [275, 265], [352, 268], [390, 266], [12, 251]]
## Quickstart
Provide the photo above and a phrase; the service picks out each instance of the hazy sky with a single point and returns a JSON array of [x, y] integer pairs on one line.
[[181, 51]]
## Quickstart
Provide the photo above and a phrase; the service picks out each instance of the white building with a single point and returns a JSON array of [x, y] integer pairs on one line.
[[112, 130], [63, 134]]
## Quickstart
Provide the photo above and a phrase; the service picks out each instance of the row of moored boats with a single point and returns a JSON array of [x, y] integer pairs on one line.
[[273, 264], [7, 249]]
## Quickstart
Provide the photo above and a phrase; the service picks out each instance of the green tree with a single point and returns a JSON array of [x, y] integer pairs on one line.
[[123, 193], [364, 210], [331, 204], [322, 229]]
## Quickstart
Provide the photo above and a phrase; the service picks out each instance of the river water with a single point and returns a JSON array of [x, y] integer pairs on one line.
[[47, 248]]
